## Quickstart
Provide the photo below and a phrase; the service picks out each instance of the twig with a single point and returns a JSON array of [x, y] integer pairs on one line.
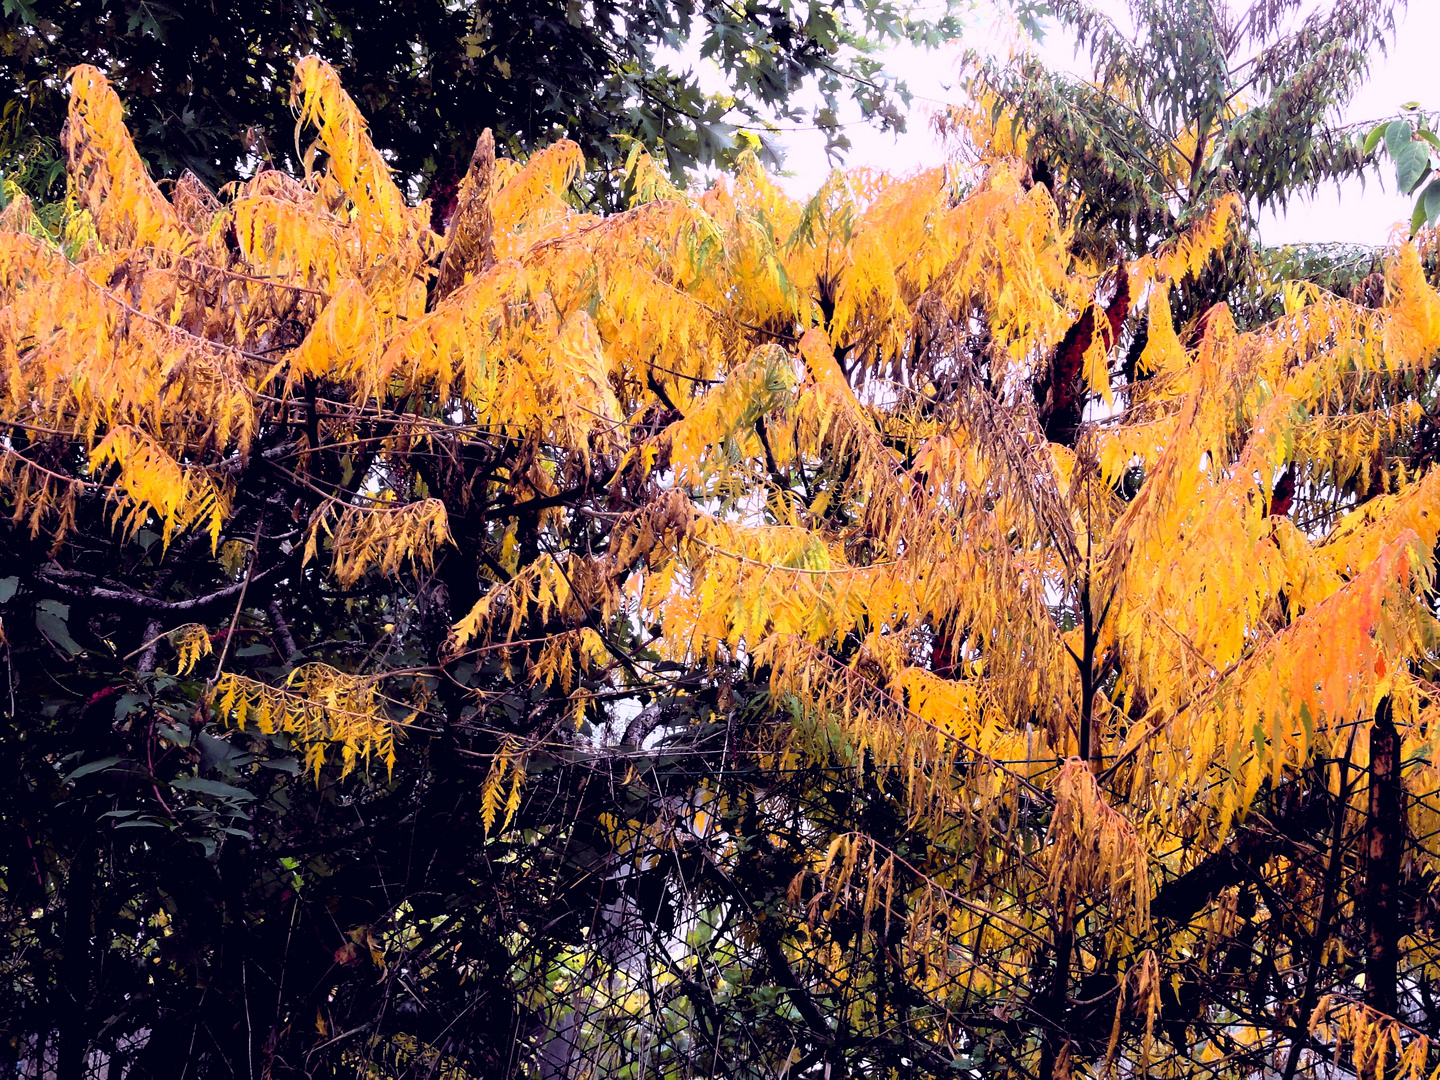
[[87, 589], [282, 628], [150, 767], [239, 603]]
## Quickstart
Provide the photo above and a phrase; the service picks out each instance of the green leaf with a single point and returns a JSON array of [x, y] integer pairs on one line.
[[214, 788], [1373, 139], [1397, 135], [221, 755], [1431, 201], [1412, 165], [50, 616], [25, 11], [128, 703], [180, 735], [92, 767]]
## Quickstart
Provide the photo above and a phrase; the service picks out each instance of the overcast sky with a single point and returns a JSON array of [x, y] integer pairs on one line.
[[1359, 214]]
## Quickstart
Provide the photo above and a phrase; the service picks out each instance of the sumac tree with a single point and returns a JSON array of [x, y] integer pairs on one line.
[[669, 642]]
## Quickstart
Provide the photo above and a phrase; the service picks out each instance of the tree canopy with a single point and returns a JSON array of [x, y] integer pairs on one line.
[[1198, 100], [683, 640], [206, 84]]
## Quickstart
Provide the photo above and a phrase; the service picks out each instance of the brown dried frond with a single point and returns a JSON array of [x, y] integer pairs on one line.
[[195, 204], [470, 239], [1377, 1042], [383, 538], [19, 215], [1095, 851], [652, 532], [42, 498]]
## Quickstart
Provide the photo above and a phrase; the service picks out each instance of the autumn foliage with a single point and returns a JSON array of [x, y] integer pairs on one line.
[[964, 705]]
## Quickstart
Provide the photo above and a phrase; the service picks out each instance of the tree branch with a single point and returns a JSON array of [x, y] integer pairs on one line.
[[81, 586]]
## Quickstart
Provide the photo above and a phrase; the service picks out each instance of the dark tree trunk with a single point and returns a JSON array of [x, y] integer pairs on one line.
[[72, 1024], [1385, 834], [1055, 1046]]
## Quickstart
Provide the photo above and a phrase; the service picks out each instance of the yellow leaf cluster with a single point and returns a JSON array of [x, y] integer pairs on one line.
[[1378, 1045], [381, 537], [508, 763], [126, 205], [319, 707], [191, 642], [152, 483]]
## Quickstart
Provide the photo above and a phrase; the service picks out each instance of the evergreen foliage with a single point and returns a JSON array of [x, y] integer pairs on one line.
[[1203, 99], [206, 84]]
